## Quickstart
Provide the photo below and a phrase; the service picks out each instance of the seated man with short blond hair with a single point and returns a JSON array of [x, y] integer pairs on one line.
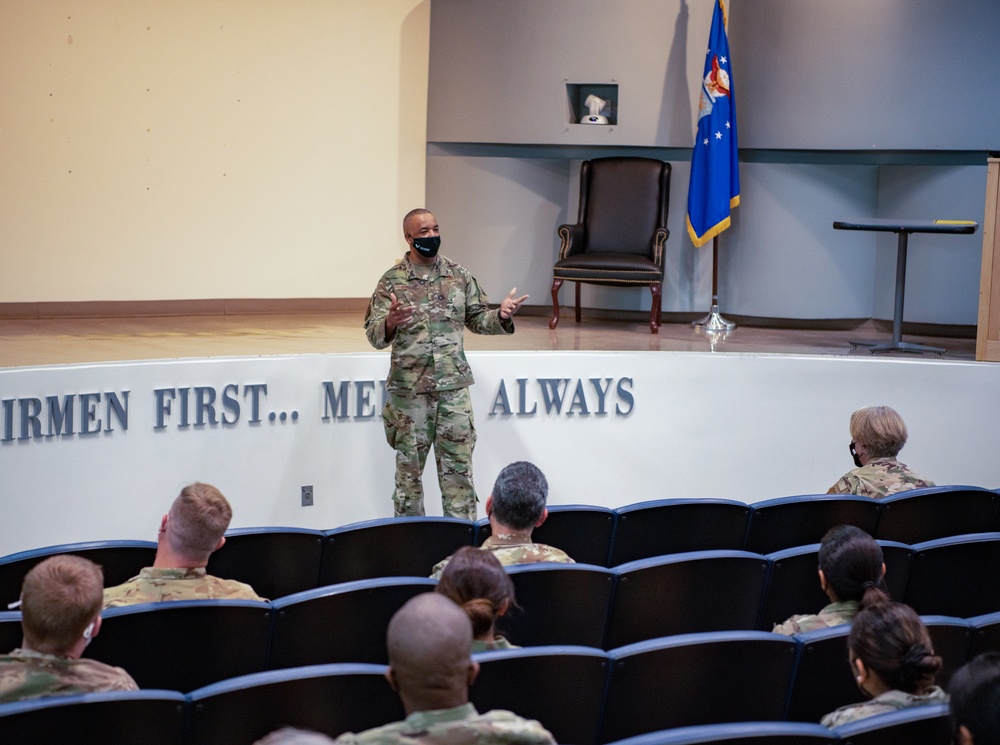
[[60, 614], [189, 533]]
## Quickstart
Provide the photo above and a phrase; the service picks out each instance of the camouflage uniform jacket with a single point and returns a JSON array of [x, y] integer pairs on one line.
[[879, 478], [883, 704], [428, 353], [153, 585], [461, 725], [26, 674], [511, 548], [834, 614], [499, 642]]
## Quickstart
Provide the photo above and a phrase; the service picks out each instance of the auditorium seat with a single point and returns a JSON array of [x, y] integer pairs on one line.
[[686, 593], [793, 587], [149, 717], [582, 531], [951, 638], [670, 526], [10, 630], [274, 561], [738, 733], [722, 676], [985, 634], [776, 524], [824, 680], [120, 560], [181, 645], [339, 623], [921, 725], [558, 604], [953, 576], [561, 686], [921, 515], [331, 699], [362, 550]]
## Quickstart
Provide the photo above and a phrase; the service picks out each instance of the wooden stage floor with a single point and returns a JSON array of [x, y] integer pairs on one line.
[[32, 342]]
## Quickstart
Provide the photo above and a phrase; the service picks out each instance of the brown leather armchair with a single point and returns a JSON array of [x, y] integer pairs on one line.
[[621, 230]]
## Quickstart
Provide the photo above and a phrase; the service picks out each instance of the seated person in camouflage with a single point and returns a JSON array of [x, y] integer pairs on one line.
[[975, 701], [430, 667], [189, 533], [877, 435], [477, 582], [60, 614], [515, 508], [851, 573], [893, 661]]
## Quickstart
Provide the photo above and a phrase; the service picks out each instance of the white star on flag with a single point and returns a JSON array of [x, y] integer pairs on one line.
[[718, 135]]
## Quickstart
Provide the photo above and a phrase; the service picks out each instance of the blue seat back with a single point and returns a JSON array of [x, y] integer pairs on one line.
[[274, 561], [738, 733], [921, 725], [185, 644], [331, 699], [776, 524], [985, 634], [823, 677], [951, 638], [686, 593], [149, 717], [391, 547], [697, 679], [951, 576], [10, 630], [120, 561], [558, 604], [563, 687], [920, 515], [339, 623], [670, 526]]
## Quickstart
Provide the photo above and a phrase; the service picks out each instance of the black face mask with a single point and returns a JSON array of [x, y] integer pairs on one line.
[[854, 454], [427, 246]]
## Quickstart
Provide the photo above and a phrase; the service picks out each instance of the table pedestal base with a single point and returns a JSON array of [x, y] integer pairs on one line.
[[895, 345]]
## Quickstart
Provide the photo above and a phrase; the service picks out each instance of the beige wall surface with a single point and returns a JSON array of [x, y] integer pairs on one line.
[[216, 149]]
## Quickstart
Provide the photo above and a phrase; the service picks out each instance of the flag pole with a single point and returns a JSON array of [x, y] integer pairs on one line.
[[713, 320]]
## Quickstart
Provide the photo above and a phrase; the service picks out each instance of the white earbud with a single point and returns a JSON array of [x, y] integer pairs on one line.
[[89, 631]]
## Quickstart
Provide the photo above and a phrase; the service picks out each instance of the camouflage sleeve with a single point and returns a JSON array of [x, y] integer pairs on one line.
[[843, 486], [378, 309], [788, 628], [439, 568], [479, 318]]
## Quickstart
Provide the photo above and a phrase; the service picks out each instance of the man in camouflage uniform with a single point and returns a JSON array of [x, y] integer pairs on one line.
[[877, 435], [188, 535], [430, 666], [60, 614], [421, 307], [515, 508]]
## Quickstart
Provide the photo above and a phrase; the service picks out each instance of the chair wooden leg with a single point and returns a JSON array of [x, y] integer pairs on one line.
[[654, 312], [578, 302], [556, 284]]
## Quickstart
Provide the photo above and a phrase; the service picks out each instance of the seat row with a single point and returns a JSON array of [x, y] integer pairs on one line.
[[203, 641], [583, 696], [282, 561]]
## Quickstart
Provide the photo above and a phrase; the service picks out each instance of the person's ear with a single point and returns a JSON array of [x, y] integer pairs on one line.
[[545, 514], [163, 525], [97, 626], [964, 736], [504, 607], [390, 675], [860, 671], [220, 544], [882, 576], [473, 671], [822, 581], [489, 505]]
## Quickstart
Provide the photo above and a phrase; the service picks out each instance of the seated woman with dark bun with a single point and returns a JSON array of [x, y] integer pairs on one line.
[[893, 661], [851, 572], [477, 582]]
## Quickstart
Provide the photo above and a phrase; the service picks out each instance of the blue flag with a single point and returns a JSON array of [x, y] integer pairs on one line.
[[715, 170]]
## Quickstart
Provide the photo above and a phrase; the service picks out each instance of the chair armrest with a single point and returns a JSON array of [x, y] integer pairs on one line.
[[573, 238], [659, 241]]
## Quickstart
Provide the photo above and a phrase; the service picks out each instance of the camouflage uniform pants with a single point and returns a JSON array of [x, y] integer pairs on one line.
[[414, 422]]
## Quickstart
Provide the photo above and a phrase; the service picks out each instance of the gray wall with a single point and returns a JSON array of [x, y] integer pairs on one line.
[[846, 109]]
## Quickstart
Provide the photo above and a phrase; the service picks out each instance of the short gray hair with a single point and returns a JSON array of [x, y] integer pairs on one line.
[[519, 495]]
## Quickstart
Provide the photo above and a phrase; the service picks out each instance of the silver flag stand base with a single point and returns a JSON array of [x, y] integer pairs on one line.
[[713, 322]]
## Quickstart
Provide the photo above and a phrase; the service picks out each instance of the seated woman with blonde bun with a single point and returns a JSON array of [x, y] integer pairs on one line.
[[476, 581], [893, 661], [851, 573]]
